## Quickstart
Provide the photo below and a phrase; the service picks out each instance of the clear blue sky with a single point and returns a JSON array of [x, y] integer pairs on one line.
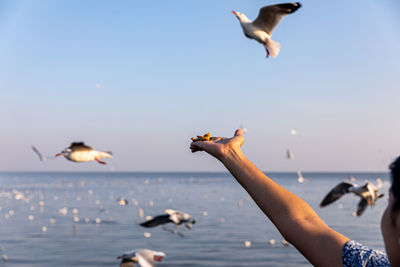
[[141, 77]]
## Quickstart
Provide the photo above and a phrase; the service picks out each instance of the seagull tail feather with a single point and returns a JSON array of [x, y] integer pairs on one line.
[[273, 47]]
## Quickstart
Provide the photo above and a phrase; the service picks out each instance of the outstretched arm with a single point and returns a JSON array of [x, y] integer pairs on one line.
[[294, 218]]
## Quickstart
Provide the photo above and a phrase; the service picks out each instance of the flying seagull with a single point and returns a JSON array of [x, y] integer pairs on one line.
[[289, 154], [174, 216], [140, 257], [79, 152], [261, 28], [122, 201], [368, 192]]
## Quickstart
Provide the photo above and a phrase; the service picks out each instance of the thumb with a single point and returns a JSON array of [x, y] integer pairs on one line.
[[239, 132]]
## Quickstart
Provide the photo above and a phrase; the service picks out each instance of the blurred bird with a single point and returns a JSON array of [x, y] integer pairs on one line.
[[300, 178], [261, 28], [289, 154], [368, 192], [140, 257], [79, 152], [174, 216], [122, 201]]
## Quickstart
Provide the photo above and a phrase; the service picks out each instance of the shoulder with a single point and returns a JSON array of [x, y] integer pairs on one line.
[[356, 254]]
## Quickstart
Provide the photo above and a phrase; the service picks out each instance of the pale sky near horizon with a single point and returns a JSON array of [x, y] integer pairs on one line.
[[140, 78]]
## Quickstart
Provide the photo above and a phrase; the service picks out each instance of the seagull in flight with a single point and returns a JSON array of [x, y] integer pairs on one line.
[[368, 193], [122, 201], [261, 28], [289, 154], [174, 216], [79, 152], [140, 257]]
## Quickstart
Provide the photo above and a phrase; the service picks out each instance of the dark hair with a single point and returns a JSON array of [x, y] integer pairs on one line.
[[395, 188]]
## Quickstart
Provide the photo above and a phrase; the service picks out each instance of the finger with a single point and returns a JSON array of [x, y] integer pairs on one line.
[[194, 149], [239, 132], [196, 146]]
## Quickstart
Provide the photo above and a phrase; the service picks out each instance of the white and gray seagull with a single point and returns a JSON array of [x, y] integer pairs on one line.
[[174, 216], [140, 257], [261, 28], [368, 192], [79, 152]]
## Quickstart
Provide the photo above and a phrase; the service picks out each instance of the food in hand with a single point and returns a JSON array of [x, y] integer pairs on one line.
[[206, 137]]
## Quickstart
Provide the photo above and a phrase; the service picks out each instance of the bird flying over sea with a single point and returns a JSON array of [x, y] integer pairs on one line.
[[261, 28], [79, 152], [368, 193], [140, 257], [174, 216], [289, 154], [122, 201]]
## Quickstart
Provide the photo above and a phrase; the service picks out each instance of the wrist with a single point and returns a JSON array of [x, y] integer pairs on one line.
[[231, 155]]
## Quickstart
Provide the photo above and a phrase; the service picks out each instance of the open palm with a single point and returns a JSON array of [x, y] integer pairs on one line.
[[219, 147]]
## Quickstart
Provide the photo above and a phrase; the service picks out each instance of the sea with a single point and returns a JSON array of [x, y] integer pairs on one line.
[[73, 219]]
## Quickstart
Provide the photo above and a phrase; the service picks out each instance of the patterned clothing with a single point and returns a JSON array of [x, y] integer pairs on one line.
[[356, 255]]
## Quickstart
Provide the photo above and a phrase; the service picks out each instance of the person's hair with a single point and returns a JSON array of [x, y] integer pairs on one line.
[[395, 188]]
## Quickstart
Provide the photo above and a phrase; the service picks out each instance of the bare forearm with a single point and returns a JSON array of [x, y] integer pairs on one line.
[[279, 204], [293, 217]]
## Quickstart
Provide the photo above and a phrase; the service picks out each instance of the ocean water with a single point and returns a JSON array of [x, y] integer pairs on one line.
[[49, 219]]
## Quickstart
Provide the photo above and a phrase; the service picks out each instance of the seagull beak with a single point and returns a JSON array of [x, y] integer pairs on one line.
[[234, 13], [58, 154]]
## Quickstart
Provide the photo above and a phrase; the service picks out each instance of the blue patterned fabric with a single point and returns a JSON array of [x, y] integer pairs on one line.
[[356, 255]]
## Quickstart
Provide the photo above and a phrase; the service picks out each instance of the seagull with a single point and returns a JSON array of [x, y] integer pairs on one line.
[[174, 216], [261, 28], [368, 192], [79, 152], [289, 154], [140, 257], [122, 201], [300, 178]]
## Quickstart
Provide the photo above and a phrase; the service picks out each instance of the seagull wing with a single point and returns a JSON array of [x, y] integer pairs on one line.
[[336, 193], [145, 258], [170, 211], [270, 16], [175, 218], [362, 205], [156, 221], [78, 146], [41, 157]]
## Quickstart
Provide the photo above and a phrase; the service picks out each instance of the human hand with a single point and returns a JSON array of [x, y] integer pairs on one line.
[[220, 147]]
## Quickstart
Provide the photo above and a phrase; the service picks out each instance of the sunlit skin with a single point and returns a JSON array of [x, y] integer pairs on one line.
[[294, 218]]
